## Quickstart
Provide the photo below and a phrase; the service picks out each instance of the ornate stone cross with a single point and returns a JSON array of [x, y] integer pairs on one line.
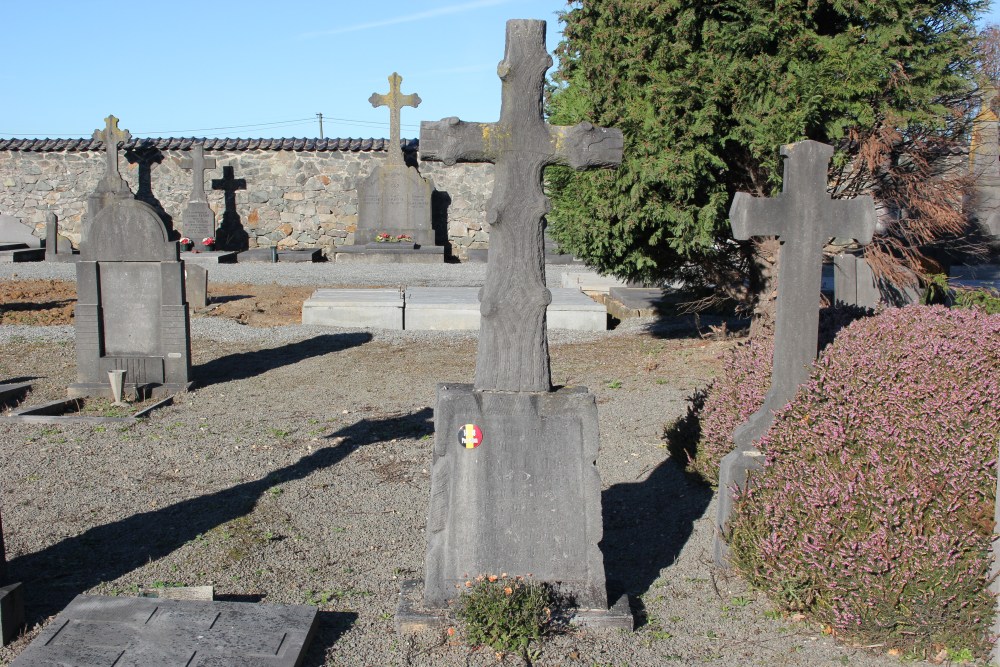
[[197, 163], [513, 353], [804, 218], [395, 101], [111, 135]]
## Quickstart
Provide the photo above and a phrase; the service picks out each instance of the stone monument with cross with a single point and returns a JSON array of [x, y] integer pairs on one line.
[[394, 199], [198, 222], [231, 235], [112, 186], [984, 165], [804, 218], [514, 483]]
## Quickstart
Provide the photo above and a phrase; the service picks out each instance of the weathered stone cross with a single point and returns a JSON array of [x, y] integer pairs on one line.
[[804, 218], [513, 352], [197, 163], [111, 135], [395, 101]]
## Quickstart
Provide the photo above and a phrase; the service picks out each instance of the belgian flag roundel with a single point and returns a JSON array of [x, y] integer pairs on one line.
[[470, 436]]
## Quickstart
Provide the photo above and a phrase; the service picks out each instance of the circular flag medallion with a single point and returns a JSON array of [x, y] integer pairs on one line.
[[470, 436]]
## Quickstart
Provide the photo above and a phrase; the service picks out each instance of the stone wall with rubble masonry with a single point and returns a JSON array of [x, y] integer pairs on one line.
[[292, 200]]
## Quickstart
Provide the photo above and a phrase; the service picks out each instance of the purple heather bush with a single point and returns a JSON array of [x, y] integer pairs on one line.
[[874, 510]]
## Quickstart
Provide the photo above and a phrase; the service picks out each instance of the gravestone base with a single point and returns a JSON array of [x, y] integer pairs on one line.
[[21, 254], [102, 631], [264, 255], [130, 390], [515, 489], [209, 257], [390, 253], [11, 612], [413, 618], [733, 471]]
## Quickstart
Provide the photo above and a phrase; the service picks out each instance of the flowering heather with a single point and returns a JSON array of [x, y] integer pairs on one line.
[[874, 510], [739, 391]]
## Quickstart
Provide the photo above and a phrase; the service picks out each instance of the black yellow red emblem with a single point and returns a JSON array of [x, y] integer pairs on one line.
[[470, 436]]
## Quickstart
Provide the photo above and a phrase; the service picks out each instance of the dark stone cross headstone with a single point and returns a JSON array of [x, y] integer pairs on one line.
[[514, 484], [199, 220], [804, 218], [112, 186], [231, 235], [394, 198], [57, 248]]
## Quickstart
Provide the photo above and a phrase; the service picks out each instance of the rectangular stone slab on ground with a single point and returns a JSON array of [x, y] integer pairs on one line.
[[376, 308], [457, 308], [98, 631], [516, 490]]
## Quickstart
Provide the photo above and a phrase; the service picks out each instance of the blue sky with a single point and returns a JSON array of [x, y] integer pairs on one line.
[[235, 69], [256, 68]]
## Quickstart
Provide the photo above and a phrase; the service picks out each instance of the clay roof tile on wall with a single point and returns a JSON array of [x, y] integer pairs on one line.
[[185, 143]]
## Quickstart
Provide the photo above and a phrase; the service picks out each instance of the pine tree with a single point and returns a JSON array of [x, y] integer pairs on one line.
[[706, 91]]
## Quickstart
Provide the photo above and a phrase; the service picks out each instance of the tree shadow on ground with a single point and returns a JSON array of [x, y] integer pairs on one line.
[[243, 365], [53, 576], [646, 524]]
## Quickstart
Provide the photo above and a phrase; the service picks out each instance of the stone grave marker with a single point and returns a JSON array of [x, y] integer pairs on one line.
[[98, 631], [231, 235], [198, 222], [984, 165], [196, 285], [131, 312], [514, 485], [112, 186], [394, 199], [804, 218], [18, 242], [855, 284], [58, 248]]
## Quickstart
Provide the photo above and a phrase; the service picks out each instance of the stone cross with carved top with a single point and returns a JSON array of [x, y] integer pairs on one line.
[[513, 353], [395, 101], [197, 163], [112, 180]]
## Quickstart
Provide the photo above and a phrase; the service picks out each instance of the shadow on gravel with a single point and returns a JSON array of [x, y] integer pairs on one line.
[[55, 575], [244, 365], [332, 625], [646, 524]]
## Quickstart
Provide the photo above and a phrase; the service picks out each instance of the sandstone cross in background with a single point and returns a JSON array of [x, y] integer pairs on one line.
[[514, 485], [199, 219], [804, 218], [112, 186]]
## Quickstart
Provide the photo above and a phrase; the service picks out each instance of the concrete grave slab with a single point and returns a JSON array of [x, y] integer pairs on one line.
[[17, 242], [210, 257], [458, 308], [264, 255], [196, 285], [591, 282], [97, 631], [389, 253], [364, 308]]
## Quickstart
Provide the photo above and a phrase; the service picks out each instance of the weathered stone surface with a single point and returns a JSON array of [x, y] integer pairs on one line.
[[111, 187], [526, 499], [376, 308], [57, 247], [985, 166], [804, 218], [855, 284], [14, 232], [196, 285], [513, 350], [131, 313], [199, 219], [153, 632]]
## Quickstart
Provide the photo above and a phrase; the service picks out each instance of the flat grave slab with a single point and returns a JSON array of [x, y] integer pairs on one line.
[[457, 308], [626, 302], [375, 308], [591, 281], [21, 254], [97, 631], [209, 257], [264, 255], [975, 275], [390, 253]]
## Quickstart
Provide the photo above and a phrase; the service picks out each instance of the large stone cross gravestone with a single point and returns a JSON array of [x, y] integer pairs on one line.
[[199, 219], [131, 313], [111, 186], [394, 199], [804, 218], [514, 486]]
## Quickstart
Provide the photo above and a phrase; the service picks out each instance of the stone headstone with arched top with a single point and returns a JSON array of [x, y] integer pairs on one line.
[[131, 310]]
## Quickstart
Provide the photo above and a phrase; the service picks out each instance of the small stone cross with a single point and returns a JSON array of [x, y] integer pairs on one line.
[[513, 353], [395, 101], [804, 218], [197, 163], [111, 135]]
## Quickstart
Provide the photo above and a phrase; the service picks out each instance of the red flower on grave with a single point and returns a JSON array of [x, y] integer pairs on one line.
[[208, 241], [185, 240]]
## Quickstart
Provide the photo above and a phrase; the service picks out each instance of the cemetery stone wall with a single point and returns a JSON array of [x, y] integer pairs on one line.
[[294, 198]]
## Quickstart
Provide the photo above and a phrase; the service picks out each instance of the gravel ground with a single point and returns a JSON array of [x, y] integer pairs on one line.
[[297, 472]]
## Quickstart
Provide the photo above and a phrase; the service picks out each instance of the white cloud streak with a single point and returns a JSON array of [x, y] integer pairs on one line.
[[410, 18]]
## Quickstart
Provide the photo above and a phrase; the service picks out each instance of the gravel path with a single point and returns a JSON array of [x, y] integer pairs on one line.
[[297, 472]]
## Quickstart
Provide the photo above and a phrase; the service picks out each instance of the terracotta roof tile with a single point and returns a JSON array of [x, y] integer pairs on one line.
[[185, 143]]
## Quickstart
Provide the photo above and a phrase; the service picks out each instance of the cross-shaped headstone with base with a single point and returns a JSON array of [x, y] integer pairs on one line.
[[112, 180], [804, 218], [513, 352], [197, 163], [395, 101], [514, 485]]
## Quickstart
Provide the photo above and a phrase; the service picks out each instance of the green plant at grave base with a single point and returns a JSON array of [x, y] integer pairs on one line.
[[616, 384], [506, 613], [987, 300]]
